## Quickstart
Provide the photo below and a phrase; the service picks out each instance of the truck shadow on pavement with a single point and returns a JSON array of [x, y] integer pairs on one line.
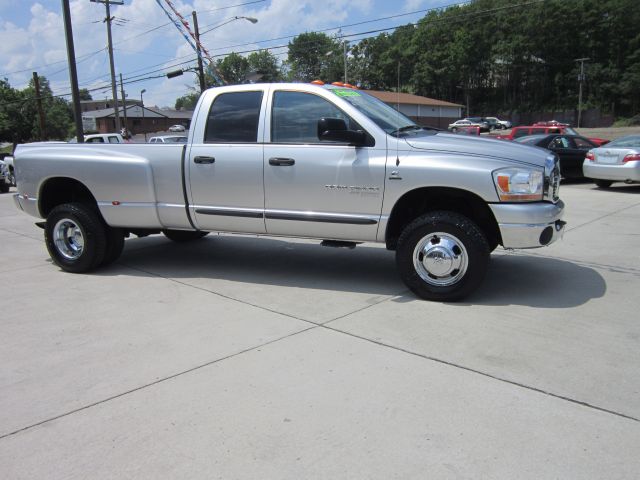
[[517, 279], [536, 281]]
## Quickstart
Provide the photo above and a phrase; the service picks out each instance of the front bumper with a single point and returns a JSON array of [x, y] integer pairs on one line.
[[625, 172], [529, 225]]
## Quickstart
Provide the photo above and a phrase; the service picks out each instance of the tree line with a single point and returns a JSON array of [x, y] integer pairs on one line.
[[498, 56]]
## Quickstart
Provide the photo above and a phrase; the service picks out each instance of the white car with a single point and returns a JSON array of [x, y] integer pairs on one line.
[[169, 139], [101, 138], [617, 161], [5, 183], [501, 124], [177, 128]]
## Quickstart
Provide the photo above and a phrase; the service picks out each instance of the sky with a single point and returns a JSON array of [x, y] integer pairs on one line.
[[146, 44]]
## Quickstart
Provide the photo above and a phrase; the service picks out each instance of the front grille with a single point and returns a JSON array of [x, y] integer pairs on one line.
[[552, 179]]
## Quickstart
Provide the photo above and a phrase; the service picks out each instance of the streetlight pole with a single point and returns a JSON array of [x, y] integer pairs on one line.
[[344, 43], [580, 80], [249, 19], [142, 106]]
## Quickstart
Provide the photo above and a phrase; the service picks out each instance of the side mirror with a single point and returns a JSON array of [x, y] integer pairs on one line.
[[335, 130]]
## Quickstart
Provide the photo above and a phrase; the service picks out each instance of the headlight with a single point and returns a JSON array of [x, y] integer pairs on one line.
[[519, 184]]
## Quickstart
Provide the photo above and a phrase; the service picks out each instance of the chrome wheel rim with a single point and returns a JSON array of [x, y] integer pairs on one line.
[[440, 259], [68, 239]]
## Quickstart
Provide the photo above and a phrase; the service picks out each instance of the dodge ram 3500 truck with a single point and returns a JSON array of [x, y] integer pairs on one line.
[[297, 160]]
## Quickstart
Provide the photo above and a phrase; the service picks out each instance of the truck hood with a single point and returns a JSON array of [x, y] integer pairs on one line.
[[481, 147]]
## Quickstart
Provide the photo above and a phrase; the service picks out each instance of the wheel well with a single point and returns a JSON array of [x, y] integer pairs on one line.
[[57, 191], [423, 200]]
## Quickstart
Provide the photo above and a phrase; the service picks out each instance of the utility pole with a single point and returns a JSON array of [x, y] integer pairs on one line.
[[344, 43], [114, 88], [199, 51], [124, 104], [73, 73], [580, 80], [36, 84]]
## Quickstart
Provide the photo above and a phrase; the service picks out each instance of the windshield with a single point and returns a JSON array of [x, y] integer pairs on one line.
[[630, 141], [386, 117], [570, 131]]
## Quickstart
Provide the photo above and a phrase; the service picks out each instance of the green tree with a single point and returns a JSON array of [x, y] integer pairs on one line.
[[234, 68], [16, 117], [58, 113], [308, 56], [187, 102], [265, 64], [85, 95]]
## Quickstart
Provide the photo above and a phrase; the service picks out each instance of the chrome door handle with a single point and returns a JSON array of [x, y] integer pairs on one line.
[[202, 160], [281, 162]]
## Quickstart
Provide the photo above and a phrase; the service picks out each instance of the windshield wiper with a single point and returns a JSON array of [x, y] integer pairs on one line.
[[408, 128]]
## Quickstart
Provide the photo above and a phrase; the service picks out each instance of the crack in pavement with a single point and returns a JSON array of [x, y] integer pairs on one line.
[[484, 374], [161, 380]]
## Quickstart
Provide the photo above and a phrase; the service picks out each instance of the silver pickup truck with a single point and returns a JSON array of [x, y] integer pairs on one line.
[[297, 160]]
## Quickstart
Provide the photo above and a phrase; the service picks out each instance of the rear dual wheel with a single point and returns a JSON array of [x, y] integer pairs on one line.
[[78, 240]]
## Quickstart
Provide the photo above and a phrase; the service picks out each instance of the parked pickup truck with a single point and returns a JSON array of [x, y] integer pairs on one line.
[[298, 160]]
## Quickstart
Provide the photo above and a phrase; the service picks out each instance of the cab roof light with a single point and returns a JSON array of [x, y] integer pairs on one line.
[[317, 82]]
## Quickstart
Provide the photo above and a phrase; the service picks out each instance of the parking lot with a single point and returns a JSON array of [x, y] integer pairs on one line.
[[240, 357]]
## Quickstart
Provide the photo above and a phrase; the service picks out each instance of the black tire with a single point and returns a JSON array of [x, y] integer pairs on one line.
[[4, 186], [11, 178], [603, 183], [458, 253], [454, 130], [184, 235], [80, 252], [115, 245]]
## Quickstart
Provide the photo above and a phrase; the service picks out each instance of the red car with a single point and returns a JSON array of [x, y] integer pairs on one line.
[[547, 128]]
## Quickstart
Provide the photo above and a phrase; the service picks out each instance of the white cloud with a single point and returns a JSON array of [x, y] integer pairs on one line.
[[38, 42]]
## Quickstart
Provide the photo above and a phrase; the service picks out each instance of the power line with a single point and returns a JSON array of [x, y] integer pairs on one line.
[[140, 77], [44, 66]]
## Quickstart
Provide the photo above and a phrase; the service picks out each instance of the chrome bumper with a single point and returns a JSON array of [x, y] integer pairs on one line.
[[529, 225]]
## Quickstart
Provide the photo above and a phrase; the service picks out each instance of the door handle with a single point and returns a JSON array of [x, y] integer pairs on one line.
[[202, 160], [281, 162]]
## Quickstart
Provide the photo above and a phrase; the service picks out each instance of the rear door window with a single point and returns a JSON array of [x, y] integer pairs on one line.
[[234, 118]]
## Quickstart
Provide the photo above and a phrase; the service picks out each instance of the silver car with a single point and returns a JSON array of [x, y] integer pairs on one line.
[[617, 161]]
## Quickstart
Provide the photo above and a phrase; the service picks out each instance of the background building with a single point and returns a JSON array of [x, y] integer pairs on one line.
[[424, 111]]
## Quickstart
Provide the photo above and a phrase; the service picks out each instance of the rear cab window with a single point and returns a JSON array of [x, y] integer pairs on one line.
[[234, 117]]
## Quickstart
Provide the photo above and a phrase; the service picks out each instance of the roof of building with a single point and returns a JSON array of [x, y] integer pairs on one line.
[[409, 99], [177, 114], [132, 111]]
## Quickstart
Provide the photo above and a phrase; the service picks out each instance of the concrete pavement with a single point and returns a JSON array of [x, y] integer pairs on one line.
[[239, 357]]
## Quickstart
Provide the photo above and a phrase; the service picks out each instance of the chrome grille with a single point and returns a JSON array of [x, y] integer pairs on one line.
[[552, 178]]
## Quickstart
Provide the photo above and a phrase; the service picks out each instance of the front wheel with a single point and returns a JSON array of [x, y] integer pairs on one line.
[[442, 256], [76, 237]]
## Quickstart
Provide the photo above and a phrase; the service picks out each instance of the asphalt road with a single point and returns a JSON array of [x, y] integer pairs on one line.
[[248, 358]]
